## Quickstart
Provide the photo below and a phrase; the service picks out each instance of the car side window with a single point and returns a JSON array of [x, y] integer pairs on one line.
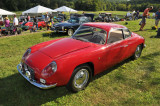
[[115, 35], [126, 33]]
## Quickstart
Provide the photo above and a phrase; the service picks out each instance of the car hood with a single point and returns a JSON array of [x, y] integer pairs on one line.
[[63, 46]]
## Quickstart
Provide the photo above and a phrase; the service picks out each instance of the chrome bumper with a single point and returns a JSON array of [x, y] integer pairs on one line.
[[42, 86]]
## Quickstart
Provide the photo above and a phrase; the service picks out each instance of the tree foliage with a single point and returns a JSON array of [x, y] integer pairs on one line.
[[84, 5]]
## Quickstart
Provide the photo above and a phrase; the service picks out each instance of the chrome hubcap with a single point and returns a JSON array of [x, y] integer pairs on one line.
[[138, 51], [81, 78]]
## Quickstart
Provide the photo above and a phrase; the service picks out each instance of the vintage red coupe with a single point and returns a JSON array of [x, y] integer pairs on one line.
[[28, 25], [73, 61]]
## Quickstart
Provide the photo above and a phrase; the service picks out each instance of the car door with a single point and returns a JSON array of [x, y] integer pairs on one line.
[[131, 43], [115, 48]]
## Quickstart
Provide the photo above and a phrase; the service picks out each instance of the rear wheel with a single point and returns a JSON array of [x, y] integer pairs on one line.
[[138, 52], [80, 78], [70, 32]]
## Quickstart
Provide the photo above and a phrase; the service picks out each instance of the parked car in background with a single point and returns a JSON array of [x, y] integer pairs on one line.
[[72, 24], [73, 61], [12, 30], [28, 25], [104, 17], [61, 17]]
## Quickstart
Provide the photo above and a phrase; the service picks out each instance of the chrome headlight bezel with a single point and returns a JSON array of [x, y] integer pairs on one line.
[[28, 52], [49, 70], [54, 66]]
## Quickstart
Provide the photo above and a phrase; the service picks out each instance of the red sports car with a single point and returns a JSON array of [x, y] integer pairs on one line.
[[73, 61], [29, 25]]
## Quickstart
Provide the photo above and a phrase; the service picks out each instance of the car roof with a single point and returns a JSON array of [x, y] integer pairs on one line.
[[105, 26]]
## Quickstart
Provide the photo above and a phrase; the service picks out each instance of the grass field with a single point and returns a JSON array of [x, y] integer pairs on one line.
[[128, 83]]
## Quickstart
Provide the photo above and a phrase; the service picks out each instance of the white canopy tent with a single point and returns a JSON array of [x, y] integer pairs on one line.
[[5, 12], [65, 9], [38, 10]]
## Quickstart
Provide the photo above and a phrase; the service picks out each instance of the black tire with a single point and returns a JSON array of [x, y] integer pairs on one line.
[[80, 74], [70, 32], [137, 53]]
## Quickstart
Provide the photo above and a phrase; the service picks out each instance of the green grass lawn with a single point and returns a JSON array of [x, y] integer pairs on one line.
[[128, 83]]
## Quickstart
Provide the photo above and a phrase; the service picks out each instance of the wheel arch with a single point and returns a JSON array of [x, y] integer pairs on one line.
[[143, 45], [90, 64]]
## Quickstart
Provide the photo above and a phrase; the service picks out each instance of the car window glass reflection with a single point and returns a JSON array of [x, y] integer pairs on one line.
[[127, 33], [91, 34], [115, 35]]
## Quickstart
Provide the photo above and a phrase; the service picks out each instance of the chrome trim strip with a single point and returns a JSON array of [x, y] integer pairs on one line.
[[59, 31], [42, 86], [62, 31]]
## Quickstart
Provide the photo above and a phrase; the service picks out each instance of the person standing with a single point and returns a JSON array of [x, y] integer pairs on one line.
[[15, 21], [137, 15], [35, 22], [7, 23], [133, 14], [145, 14], [28, 18], [157, 18]]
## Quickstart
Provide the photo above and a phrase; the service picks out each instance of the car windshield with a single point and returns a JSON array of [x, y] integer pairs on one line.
[[73, 20], [90, 34]]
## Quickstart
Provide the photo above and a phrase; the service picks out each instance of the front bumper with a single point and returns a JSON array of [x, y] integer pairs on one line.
[[39, 85]]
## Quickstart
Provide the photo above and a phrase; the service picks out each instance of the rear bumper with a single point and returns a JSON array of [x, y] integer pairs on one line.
[[39, 85]]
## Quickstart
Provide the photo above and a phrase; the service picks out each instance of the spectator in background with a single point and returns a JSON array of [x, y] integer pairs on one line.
[[137, 15], [28, 18], [1, 18], [157, 18], [2, 21], [7, 23], [145, 14], [35, 22], [15, 21], [133, 14], [47, 18], [154, 15]]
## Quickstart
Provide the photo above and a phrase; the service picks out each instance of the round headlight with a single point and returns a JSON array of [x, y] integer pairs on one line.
[[54, 66], [49, 70]]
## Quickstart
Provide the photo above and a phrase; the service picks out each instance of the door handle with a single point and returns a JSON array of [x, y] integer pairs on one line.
[[125, 45]]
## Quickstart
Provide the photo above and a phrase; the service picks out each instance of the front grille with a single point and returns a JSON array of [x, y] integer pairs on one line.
[[26, 68]]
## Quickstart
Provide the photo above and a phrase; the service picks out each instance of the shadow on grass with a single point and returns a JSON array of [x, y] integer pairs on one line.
[[15, 90], [53, 34]]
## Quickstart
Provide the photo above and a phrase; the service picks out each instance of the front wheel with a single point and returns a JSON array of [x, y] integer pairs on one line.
[[70, 32], [138, 52], [80, 78]]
